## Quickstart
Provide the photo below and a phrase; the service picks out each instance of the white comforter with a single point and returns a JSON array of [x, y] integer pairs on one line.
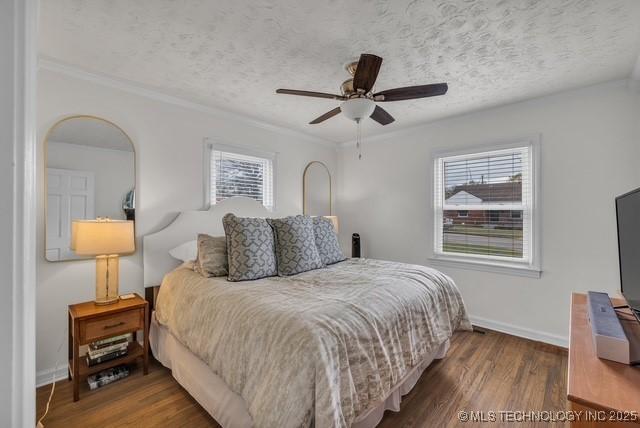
[[318, 348]]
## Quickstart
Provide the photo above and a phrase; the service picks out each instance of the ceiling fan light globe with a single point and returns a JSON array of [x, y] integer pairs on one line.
[[357, 108]]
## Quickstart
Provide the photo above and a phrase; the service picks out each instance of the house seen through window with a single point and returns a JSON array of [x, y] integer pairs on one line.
[[483, 205]]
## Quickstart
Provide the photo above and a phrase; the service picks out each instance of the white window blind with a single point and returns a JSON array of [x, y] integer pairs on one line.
[[235, 174], [484, 205]]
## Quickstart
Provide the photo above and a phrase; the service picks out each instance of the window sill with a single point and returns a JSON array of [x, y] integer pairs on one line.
[[486, 266]]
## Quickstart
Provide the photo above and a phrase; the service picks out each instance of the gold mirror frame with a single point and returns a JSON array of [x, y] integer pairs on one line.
[[45, 148], [304, 187]]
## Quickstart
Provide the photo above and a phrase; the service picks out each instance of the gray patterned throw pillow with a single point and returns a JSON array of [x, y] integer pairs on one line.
[[212, 256], [327, 241], [250, 247], [295, 245]]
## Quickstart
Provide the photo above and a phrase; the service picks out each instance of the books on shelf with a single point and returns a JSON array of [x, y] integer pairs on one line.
[[108, 349], [104, 358], [107, 376], [110, 341]]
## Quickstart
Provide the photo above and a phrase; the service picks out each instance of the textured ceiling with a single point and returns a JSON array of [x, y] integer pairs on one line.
[[86, 131], [234, 54]]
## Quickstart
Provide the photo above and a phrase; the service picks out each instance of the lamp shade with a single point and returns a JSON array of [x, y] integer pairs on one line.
[[101, 237], [334, 220]]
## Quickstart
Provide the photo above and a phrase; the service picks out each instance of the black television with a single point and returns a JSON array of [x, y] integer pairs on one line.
[[628, 219]]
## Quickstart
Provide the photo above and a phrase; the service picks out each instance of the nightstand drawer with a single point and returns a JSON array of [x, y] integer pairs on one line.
[[111, 325]]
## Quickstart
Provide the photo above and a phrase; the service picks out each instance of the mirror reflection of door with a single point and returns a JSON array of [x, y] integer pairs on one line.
[[70, 195], [90, 173], [316, 190]]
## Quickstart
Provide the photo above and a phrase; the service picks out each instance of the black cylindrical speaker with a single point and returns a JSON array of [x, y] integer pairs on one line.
[[355, 245]]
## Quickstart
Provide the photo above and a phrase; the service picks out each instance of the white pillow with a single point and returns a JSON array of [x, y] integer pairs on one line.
[[186, 252]]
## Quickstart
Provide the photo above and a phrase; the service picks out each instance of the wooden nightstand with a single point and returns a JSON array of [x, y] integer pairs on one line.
[[89, 322]]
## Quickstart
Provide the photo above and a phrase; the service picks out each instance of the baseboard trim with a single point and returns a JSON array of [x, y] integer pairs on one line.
[[524, 332], [45, 377]]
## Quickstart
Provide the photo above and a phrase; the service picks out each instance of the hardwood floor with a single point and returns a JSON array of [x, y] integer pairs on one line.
[[490, 372]]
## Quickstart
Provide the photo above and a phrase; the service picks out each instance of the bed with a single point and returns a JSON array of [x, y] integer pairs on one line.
[[332, 347]]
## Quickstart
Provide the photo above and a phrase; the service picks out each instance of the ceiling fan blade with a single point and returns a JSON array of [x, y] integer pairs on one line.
[[310, 94], [326, 116], [412, 92], [381, 116], [367, 72]]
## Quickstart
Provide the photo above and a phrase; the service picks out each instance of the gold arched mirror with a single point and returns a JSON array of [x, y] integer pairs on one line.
[[89, 173], [316, 190]]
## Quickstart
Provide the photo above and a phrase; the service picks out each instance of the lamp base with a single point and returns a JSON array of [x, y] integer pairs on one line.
[[106, 301], [107, 279]]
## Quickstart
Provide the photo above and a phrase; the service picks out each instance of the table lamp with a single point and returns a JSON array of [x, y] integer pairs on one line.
[[105, 239], [334, 220]]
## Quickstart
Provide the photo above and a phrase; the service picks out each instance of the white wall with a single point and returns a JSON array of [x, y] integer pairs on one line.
[[589, 154], [114, 172], [169, 147]]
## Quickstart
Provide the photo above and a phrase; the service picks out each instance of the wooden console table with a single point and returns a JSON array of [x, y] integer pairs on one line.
[[595, 384]]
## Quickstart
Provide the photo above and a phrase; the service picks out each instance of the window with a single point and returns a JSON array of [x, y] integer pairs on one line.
[[494, 192], [240, 172]]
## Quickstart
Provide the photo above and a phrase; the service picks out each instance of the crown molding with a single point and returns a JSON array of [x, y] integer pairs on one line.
[[394, 135], [50, 64]]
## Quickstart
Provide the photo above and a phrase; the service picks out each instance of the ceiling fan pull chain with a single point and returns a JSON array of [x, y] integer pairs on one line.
[[358, 139]]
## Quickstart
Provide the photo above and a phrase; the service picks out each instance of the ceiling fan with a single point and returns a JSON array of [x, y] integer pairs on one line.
[[358, 100]]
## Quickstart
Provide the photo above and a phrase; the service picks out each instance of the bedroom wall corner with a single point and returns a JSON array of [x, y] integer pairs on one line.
[[168, 139], [590, 142]]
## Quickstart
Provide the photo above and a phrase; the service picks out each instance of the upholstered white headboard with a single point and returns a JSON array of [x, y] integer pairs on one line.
[[185, 227]]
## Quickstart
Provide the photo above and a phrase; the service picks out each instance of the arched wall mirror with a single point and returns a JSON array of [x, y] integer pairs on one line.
[[89, 173], [316, 190]]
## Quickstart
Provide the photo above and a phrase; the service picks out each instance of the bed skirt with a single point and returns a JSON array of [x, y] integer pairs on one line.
[[228, 408]]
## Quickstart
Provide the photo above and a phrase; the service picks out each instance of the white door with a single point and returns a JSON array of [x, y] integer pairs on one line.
[[70, 196]]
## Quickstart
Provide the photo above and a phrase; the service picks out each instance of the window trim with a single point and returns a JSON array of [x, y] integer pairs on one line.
[[478, 261], [214, 144]]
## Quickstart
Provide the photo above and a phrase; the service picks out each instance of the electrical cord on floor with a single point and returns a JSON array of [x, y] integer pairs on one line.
[[39, 424]]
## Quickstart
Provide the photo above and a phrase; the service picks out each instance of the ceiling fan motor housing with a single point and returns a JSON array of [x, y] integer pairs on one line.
[[347, 87], [357, 108]]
